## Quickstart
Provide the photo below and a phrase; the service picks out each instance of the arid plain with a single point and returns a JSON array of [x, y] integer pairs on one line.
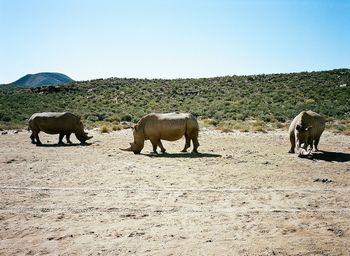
[[242, 195]]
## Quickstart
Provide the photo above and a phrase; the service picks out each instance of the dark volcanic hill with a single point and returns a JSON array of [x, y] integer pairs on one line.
[[42, 79]]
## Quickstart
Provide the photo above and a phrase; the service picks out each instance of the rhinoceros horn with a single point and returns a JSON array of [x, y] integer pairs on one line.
[[304, 153], [128, 149], [87, 137]]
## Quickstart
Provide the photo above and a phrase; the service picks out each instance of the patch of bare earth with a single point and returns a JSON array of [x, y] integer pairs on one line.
[[243, 195]]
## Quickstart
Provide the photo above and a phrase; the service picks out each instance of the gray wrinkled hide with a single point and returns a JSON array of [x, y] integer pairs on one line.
[[166, 126], [63, 123], [305, 132]]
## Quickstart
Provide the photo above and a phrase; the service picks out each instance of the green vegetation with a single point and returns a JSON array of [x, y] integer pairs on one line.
[[259, 102]]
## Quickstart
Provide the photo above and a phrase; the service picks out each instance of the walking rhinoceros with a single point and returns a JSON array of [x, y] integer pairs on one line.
[[63, 124], [305, 130], [168, 126]]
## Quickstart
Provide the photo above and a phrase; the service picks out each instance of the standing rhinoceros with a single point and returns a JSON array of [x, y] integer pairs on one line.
[[305, 130], [169, 126], [63, 124]]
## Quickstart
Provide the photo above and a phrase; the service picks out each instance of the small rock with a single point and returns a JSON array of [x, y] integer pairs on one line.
[[323, 180], [135, 233], [337, 232]]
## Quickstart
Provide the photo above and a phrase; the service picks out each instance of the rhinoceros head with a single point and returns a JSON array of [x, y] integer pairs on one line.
[[83, 137], [302, 136], [80, 134], [139, 141], [302, 132]]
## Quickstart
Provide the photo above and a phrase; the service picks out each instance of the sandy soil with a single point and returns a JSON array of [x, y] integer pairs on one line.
[[244, 195]]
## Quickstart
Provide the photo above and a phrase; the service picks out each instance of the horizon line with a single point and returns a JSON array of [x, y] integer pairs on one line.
[[181, 78]]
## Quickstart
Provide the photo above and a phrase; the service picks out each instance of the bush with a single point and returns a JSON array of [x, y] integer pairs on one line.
[[269, 98], [6, 118], [114, 119], [126, 118], [104, 129]]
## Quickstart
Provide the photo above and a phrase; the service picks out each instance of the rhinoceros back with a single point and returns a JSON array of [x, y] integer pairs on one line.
[[173, 120], [307, 119], [168, 126], [54, 122]]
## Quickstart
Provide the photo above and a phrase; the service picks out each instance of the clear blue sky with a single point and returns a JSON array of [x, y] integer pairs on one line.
[[88, 39]]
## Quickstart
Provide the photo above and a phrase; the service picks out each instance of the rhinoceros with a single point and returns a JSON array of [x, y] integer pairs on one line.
[[306, 130], [64, 124], [166, 126]]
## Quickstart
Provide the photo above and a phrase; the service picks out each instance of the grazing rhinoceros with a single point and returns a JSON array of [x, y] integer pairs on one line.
[[169, 126], [305, 130], [57, 123]]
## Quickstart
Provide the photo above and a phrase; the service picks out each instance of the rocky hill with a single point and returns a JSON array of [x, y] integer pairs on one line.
[[42, 79]]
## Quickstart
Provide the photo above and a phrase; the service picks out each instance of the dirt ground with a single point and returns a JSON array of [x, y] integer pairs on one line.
[[243, 195]]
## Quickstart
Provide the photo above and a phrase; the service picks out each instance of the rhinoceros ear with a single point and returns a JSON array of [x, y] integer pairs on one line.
[[135, 127]]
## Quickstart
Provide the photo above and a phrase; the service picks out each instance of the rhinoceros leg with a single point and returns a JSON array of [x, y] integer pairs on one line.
[[311, 144], [68, 138], [36, 135], [194, 137], [292, 143], [161, 146], [317, 140], [61, 138], [32, 138], [195, 144], [187, 143], [154, 145]]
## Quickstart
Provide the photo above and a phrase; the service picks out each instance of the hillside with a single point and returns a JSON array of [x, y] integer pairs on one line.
[[42, 79], [273, 99]]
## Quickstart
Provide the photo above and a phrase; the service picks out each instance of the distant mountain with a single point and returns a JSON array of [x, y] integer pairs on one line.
[[42, 79]]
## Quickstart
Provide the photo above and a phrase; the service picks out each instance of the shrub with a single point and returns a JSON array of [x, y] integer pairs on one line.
[[104, 129], [126, 117], [270, 98], [114, 119], [116, 127]]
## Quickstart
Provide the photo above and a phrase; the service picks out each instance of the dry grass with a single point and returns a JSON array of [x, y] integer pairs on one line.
[[339, 126], [244, 126], [335, 126], [104, 129]]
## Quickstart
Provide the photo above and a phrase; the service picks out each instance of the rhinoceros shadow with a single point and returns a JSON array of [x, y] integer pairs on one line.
[[183, 155], [63, 145], [330, 156]]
